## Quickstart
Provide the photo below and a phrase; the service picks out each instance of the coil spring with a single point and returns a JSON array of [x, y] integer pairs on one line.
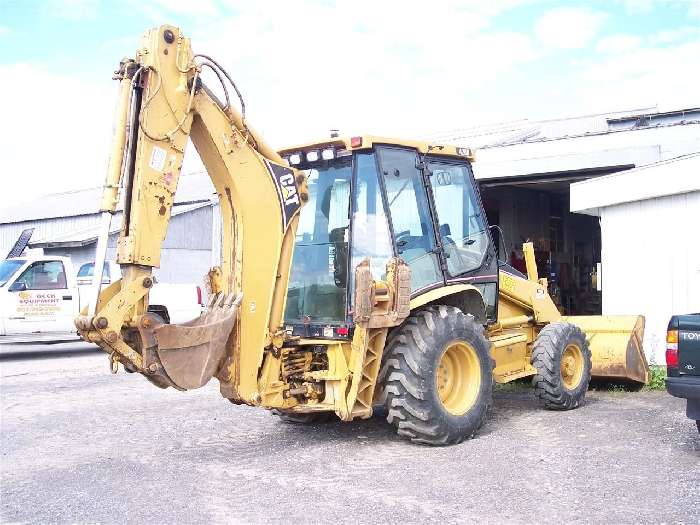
[[295, 364]]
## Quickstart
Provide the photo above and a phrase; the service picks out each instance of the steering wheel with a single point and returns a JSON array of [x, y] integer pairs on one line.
[[404, 240]]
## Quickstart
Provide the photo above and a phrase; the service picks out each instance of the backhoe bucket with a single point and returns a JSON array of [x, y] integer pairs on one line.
[[616, 346], [193, 352]]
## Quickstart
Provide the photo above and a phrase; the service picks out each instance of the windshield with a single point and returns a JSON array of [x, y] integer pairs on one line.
[[318, 280], [8, 267]]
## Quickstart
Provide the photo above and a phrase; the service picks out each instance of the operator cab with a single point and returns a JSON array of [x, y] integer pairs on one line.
[[375, 199]]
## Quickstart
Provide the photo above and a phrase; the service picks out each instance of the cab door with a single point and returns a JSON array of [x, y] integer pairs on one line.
[[411, 219], [40, 300], [467, 247]]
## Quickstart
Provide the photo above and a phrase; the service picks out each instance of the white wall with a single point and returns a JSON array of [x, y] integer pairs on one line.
[[651, 262]]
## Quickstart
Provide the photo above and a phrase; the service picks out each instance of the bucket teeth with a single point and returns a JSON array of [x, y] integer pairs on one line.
[[192, 353]]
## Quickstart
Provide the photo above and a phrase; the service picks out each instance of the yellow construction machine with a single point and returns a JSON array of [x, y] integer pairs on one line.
[[354, 272]]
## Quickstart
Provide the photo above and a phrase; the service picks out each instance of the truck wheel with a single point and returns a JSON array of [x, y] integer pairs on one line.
[[436, 379], [563, 362], [300, 418]]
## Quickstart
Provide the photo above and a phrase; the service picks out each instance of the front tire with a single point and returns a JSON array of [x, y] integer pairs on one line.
[[436, 379], [563, 362]]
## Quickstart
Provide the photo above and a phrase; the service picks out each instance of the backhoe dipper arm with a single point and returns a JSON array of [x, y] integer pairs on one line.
[[163, 103]]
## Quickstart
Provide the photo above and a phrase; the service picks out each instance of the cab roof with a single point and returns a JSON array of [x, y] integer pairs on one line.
[[365, 142]]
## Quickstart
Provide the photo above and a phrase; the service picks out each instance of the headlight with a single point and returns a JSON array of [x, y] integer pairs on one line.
[[295, 158], [328, 154], [312, 156]]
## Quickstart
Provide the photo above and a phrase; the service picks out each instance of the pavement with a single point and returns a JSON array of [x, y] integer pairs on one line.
[[79, 444]]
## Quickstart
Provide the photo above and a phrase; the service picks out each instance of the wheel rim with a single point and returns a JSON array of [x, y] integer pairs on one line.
[[458, 377], [571, 366]]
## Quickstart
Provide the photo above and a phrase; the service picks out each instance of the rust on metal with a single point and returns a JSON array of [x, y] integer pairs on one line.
[[192, 353]]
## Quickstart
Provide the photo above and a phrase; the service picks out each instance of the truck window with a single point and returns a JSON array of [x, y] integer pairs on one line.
[[8, 267], [88, 270], [44, 275]]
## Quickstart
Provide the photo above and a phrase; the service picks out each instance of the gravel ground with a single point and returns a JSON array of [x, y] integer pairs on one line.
[[81, 445]]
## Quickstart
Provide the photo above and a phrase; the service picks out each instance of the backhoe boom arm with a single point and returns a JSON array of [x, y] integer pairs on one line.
[[162, 104]]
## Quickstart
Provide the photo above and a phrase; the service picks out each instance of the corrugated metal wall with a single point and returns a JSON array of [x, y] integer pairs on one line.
[[44, 228], [651, 262], [187, 249]]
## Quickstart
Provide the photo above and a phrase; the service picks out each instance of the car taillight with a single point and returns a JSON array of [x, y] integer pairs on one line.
[[672, 349], [199, 295]]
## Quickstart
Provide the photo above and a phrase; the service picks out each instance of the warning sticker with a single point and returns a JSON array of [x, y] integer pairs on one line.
[[157, 161]]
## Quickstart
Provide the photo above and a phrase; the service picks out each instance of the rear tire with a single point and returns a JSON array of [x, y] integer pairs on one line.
[[300, 418], [436, 379], [563, 362]]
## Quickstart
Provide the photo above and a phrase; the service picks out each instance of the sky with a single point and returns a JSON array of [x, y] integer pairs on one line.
[[397, 68]]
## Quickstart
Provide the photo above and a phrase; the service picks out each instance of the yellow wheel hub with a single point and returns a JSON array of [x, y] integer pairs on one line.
[[571, 366], [458, 378]]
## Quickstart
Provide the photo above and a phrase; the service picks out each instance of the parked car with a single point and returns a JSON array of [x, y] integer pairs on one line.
[[683, 362], [40, 296]]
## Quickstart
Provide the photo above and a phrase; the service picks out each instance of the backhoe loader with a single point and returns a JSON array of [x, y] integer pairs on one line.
[[354, 272]]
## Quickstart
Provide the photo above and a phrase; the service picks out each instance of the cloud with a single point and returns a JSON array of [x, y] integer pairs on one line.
[[73, 9], [568, 27], [671, 36], [307, 67], [638, 6], [60, 132], [643, 77], [618, 44], [4, 31]]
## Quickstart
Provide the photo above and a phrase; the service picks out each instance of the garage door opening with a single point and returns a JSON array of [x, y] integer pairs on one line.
[[567, 245]]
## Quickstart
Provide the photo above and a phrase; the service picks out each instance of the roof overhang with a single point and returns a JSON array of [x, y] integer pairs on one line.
[[670, 177]]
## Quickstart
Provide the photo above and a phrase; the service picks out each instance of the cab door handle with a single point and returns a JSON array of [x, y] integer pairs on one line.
[[67, 297]]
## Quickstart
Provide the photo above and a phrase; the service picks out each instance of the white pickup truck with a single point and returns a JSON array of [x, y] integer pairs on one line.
[[41, 295]]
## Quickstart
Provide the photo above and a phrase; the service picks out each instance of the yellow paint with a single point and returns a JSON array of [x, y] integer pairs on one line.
[[257, 247], [369, 141]]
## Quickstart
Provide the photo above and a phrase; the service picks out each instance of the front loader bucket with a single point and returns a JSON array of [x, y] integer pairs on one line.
[[192, 353], [616, 346]]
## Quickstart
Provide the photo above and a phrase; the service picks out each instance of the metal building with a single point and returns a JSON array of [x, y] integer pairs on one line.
[[67, 224], [649, 220], [525, 169]]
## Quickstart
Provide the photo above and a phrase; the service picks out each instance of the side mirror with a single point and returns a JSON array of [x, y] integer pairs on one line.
[[18, 286], [497, 236]]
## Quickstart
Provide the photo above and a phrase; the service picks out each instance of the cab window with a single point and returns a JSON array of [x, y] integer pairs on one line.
[[318, 278], [410, 215], [44, 275], [462, 226], [8, 267]]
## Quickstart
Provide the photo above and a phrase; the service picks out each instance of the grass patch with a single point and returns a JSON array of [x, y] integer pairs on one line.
[[657, 378]]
